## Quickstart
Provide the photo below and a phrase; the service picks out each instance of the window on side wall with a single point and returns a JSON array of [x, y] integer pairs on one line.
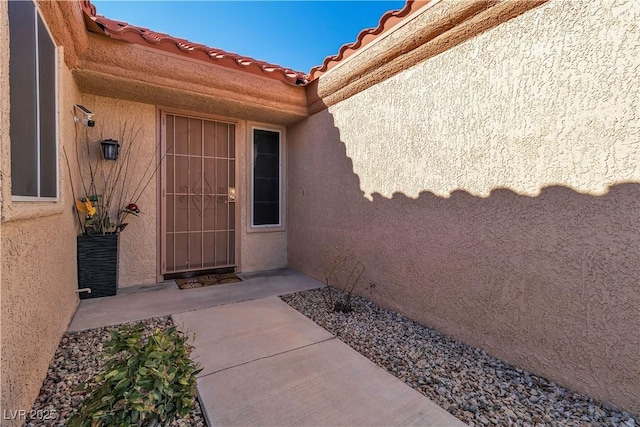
[[266, 189], [32, 86]]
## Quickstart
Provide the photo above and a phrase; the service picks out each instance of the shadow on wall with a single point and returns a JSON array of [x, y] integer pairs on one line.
[[550, 283]]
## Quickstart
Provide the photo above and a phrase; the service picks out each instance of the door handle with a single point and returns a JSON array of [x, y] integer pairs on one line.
[[232, 194]]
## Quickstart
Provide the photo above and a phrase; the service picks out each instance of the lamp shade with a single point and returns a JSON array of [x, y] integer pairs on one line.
[[110, 148]]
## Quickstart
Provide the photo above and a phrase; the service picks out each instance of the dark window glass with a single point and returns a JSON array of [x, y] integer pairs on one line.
[[32, 82], [23, 98], [266, 177], [47, 81]]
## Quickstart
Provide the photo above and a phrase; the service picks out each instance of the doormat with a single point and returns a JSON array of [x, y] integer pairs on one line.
[[207, 280]]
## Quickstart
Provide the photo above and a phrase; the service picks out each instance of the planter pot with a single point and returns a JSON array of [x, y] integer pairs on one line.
[[98, 264]]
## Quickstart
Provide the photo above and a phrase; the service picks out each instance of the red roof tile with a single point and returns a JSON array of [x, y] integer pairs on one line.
[[388, 20], [119, 30]]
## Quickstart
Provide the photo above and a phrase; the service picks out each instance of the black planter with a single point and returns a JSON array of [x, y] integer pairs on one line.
[[98, 264]]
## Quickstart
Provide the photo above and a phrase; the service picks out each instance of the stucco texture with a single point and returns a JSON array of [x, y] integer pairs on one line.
[[259, 249], [493, 193], [138, 241], [263, 251], [148, 75], [38, 282]]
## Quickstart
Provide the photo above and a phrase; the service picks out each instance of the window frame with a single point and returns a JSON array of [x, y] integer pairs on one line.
[[56, 159], [280, 226]]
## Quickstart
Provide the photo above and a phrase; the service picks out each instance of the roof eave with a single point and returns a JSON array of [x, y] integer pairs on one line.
[[122, 31]]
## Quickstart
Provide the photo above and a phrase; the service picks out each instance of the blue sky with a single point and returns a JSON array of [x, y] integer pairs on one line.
[[294, 34]]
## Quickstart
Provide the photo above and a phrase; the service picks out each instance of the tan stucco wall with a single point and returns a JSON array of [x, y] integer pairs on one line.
[[138, 242], [38, 260], [493, 192], [261, 249]]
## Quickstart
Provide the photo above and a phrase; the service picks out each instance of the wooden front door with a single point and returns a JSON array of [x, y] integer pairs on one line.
[[198, 194]]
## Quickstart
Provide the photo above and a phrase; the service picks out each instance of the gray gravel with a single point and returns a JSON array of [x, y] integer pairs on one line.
[[78, 359], [473, 386]]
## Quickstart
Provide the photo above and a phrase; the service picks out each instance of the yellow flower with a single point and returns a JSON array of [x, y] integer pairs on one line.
[[84, 205]]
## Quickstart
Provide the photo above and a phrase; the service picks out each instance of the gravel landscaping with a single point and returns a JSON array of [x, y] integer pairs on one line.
[[78, 359], [475, 387]]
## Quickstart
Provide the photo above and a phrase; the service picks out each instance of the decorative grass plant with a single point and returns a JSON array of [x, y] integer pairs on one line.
[[343, 270]]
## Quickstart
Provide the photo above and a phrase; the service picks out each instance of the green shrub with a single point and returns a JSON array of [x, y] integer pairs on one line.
[[148, 380]]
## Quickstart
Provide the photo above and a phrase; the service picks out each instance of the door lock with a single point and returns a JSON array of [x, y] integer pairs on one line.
[[232, 194]]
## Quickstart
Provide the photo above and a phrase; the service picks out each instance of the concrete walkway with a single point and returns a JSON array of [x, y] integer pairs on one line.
[[264, 363], [144, 302]]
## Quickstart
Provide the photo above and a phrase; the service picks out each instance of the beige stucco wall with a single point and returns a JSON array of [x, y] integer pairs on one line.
[[138, 242], [38, 259], [260, 249], [263, 251], [493, 192]]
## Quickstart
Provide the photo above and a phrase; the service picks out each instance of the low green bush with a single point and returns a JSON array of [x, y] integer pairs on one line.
[[148, 380]]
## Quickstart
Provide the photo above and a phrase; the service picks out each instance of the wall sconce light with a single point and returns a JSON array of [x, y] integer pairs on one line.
[[110, 149]]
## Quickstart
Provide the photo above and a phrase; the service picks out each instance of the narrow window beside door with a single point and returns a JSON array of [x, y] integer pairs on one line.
[[266, 188]]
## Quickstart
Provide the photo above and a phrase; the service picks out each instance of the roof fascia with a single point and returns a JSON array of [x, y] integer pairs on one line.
[[169, 96], [159, 76]]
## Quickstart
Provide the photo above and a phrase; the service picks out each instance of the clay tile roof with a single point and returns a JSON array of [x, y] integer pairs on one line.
[[387, 21], [119, 30]]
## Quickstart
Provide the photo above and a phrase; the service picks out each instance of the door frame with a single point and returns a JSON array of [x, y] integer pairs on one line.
[[161, 180]]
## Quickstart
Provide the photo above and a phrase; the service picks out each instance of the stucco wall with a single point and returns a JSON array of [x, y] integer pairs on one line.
[[138, 243], [38, 261], [263, 251], [260, 249], [493, 192]]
